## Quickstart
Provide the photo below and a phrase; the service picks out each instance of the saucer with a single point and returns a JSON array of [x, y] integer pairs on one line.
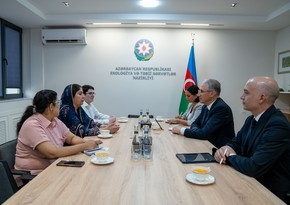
[[108, 161], [192, 179], [107, 136], [122, 120]]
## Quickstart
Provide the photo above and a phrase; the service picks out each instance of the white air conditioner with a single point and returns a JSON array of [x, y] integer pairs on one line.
[[63, 36]]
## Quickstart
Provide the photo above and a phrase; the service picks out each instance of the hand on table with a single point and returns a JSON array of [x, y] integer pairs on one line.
[[222, 154], [176, 130], [91, 144], [112, 127]]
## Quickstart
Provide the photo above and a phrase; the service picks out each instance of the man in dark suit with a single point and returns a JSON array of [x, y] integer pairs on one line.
[[261, 148], [215, 123]]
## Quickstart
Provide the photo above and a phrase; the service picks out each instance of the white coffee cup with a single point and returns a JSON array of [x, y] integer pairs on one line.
[[105, 133], [201, 172], [102, 156], [155, 126], [159, 118]]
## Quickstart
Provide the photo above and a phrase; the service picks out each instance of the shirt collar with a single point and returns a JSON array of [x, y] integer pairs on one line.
[[210, 105], [259, 116], [85, 104], [46, 122]]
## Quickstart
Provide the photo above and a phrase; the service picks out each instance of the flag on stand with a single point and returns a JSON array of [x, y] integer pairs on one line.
[[190, 79]]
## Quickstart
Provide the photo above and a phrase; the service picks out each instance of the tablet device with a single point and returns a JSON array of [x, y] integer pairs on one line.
[[195, 157], [69, 163], [90, 152]]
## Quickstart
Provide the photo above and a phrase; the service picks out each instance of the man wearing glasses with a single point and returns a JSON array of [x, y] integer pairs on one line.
[[215, 123], [91, 110]]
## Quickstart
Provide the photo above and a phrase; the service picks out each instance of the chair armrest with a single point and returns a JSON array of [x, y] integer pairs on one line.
[[20, 172], [27, 177]]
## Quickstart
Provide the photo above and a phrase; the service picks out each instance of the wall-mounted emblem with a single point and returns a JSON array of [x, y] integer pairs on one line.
[[144, 50]]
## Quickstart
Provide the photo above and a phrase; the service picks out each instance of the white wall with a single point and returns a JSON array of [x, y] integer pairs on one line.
[[228, 56], [282, 44]]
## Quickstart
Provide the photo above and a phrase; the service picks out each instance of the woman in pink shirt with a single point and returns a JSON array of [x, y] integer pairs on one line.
[[41, 135]]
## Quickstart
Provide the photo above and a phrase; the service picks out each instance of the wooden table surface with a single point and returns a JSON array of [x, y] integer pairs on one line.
[[160, 181]]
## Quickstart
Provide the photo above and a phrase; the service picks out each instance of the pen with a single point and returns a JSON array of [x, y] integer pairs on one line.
[[158, 124], [224, 155]]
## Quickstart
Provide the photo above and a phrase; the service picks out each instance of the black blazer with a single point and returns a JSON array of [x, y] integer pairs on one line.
[[267, 156], [217, 128]]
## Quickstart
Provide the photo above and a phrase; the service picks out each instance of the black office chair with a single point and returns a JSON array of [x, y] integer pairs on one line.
[[7, 153], [8, 185], [137, 116]]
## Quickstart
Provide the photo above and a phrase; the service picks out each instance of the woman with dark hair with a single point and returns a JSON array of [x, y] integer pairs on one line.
[[75, 118], [41, 135], [193, 110]]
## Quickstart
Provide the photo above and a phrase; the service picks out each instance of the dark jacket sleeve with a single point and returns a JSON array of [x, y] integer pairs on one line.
[[218, 119], [270, 143]]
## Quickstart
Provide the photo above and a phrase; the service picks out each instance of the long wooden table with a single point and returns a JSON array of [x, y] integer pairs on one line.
[[160, 181]]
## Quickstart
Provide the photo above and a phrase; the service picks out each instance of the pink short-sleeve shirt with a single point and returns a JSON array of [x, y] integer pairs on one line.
[[34, 131]]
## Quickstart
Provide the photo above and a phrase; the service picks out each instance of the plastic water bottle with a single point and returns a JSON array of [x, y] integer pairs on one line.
[[136, 145]]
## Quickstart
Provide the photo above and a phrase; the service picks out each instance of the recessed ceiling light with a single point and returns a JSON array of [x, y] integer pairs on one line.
[[66, 3], [113, 23], [152, 24], [149, 3], [234, 5], [194, 24]]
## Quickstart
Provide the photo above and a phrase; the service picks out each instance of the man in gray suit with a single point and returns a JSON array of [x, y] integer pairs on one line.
[[215, 123]]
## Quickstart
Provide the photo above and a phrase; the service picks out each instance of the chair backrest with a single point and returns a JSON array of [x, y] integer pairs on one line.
[[8, 185], [7, 152], [137, 116]]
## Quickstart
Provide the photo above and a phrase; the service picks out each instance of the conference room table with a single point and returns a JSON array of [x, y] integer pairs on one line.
[[125, 181]]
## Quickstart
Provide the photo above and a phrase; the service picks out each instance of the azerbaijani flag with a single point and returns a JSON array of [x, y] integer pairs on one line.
[[190, 79]]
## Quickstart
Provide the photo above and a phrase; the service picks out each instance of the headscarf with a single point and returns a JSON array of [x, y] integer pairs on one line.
[[78, 122]]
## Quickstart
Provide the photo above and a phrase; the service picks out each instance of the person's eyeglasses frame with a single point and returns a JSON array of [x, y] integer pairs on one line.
[[203, 91], [90, 93]]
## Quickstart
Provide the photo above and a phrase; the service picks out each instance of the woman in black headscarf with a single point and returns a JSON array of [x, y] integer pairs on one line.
[[75, 118]]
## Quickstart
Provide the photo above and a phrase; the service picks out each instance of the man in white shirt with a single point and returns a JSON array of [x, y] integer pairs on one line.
[[91, 110]]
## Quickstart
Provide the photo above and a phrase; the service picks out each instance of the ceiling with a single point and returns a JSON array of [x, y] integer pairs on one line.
[[248, 14]]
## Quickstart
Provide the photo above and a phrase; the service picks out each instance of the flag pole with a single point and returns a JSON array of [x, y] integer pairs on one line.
[[190, 77], [192, 36]]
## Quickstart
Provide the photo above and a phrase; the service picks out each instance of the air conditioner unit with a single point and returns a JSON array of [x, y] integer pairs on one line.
[[63, 36]]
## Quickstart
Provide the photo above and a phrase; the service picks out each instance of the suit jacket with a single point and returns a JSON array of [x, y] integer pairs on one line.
[[217, 128], [267, 155]]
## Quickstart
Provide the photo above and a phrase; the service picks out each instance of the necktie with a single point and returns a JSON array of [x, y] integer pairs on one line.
[[205, 116], [249, 136]]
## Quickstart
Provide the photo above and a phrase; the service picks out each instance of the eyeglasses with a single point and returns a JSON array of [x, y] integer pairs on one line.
[[91, 93], [58, 102], [203, 91]]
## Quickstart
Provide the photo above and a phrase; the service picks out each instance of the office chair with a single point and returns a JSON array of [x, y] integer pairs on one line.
[[7, 153], [137, 116], [8, 185]]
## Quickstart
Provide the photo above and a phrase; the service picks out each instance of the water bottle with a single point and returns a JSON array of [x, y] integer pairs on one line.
[[147, 115], [136, 145], [147, 146], [140, 119]]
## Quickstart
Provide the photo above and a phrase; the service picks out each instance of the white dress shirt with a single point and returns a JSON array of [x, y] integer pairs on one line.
[[93, 113]]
